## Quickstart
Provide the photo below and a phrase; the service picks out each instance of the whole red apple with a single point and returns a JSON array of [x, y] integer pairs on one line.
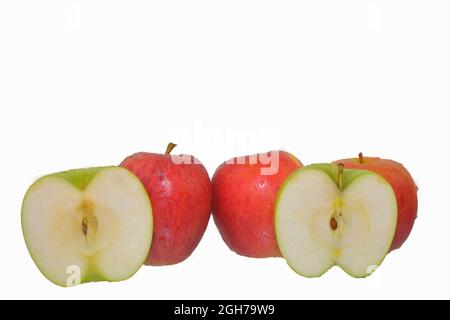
[[404, 188], [181, 196], [245, 191]]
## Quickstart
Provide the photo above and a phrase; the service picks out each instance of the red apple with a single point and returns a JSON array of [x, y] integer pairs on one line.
[[181, 196], [404, 188], [245, 191]]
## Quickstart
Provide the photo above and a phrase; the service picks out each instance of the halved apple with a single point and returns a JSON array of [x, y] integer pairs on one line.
[[87, 225], [327, 215]]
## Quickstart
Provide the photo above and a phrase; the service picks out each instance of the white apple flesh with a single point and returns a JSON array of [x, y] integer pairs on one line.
[[326, 216], [95, 221]]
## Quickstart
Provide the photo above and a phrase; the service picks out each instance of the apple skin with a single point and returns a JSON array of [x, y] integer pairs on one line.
[[404, 188], [79, 178], [244, 202], [181, 197]]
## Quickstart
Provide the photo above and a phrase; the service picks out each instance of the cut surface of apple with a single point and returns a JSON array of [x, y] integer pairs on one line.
[[327, 215], [94, 224]]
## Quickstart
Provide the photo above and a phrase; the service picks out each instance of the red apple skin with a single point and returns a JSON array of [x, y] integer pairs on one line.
[[181, 198], [404, 188], [243, 205]]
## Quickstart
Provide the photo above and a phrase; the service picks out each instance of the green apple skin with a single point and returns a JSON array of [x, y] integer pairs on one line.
[[348, 177], [332, 171], [79, 179]]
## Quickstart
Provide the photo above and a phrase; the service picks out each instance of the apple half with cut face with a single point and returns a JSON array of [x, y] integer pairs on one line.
[[87, 225], [327, 215]]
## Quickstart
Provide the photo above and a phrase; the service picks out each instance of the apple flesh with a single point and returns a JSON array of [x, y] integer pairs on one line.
[[181, 196], [244, 201], [328, 216], [404, 187], [94, 224]]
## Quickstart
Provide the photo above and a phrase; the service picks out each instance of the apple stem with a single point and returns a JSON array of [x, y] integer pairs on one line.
[[361, 158], [170, 147], [340, 175]]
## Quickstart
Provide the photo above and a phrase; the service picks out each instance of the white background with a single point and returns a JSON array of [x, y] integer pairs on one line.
[[86, 83]]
